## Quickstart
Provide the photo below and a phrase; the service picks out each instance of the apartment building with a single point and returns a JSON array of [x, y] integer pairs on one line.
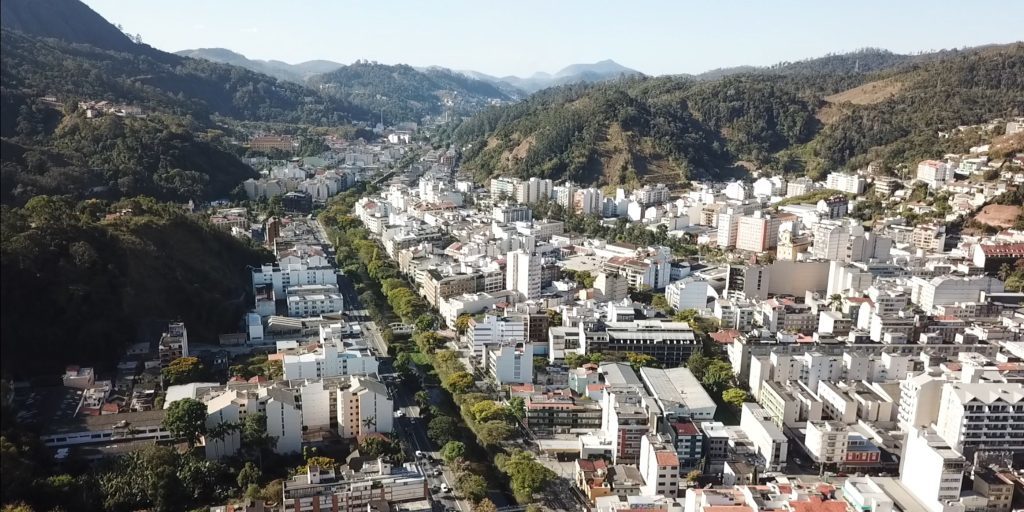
[[671, 343], [282, 276], [323, 489], [919, 400], [934, 173], [495, 330], [687, 439], [981, 415], [173, 343], [758, 232], [659, 466], [310, 300], [996, 487], [768, 440], [329, 358], [826, 441], [930, 469], [628, 414], [846, 182], [509, 362], [523, 274], [687, 293], [560, 413]]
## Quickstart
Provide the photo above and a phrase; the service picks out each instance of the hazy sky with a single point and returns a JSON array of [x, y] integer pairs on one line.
[[524, 36]]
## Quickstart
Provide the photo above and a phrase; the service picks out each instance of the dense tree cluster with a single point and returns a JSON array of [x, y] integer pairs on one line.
[[82, 284]]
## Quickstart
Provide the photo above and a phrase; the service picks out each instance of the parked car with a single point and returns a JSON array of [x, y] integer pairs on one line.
[[399, 413], [420, 455], [445, 489]]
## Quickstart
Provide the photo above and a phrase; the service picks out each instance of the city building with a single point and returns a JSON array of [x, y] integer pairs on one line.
[[309, 300], [930, 469], [173, 344], [981, 416], [659, 466], [846, 182], [523, 274], [827, 441], [322, 489], [687, 293], [509, 362], [769, 443]]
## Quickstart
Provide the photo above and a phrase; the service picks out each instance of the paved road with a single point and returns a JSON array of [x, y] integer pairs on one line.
[[413, 429]]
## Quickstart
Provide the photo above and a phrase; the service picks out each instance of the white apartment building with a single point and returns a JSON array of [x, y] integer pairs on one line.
[[827, 441], [800, 186], [327, 490], [233, 405], [946, 290], [931, 470], [364, 407], [846, 182], [628, 414], [934, 173], [863, 494], [612, 285], [533, 190], [509, 213], [687, 293], [331, 358], [309, 300], [509, 362], [503, 187], [523, 274], [768, 440], [981, 415], [587, 201], [728, 228], [837, 402], [495, 330], [284, 276], [659, 466], [919, 400]]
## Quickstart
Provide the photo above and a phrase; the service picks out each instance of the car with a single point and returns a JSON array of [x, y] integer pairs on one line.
[[435, 489], [437, 472], [420, 455], [798, 461], [400, 414], [445, 489]]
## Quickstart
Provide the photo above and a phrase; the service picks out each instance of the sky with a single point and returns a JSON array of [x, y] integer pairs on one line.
[[526, 36]]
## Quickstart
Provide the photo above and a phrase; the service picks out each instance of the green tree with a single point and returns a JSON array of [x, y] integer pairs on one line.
[[835, 301], [462, 323], [459, 383], [453, 451], [426, 322], [637, 360], [517, 407], [441, 429], [422, 398], [186, 419], [488, 410], [717, 376], [254, 432], [485, 505], [494, 432], [471, 486], [249, 475], [183, 370], [694, 476], [378, 446], [658, 301], [735, 397], [698, 364]]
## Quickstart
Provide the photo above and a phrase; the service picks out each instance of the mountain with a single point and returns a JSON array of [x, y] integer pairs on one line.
[[575, 73], [808, 117], [69, 21], [48, 41], [297, 73], [606, 68], [401, 92]]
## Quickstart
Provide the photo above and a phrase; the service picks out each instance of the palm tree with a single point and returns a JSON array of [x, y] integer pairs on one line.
[[835, 301], [370, 423]]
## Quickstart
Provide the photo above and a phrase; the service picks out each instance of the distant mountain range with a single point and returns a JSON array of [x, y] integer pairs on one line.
[[511, 86], [282, 70]]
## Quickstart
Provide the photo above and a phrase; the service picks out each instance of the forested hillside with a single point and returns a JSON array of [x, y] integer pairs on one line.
[[161, 156], [791, 118], [402, 93], [77, 284]]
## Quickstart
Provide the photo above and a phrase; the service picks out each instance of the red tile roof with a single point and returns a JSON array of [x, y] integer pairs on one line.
[[725, 336], [1004, 250]]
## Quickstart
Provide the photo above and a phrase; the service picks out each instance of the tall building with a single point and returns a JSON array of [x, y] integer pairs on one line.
[[173, 343], [523, 274], [588, 201], [981, 416], [758, 232], [728, 228], [503, 187], [827, 441], [768, 440], [565, 194], [688, 293], [510, 362], [934, 173], [533, 190], [931, 470], [659, 466]]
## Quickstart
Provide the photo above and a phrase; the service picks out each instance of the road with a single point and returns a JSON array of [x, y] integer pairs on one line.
[[412, 427]]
